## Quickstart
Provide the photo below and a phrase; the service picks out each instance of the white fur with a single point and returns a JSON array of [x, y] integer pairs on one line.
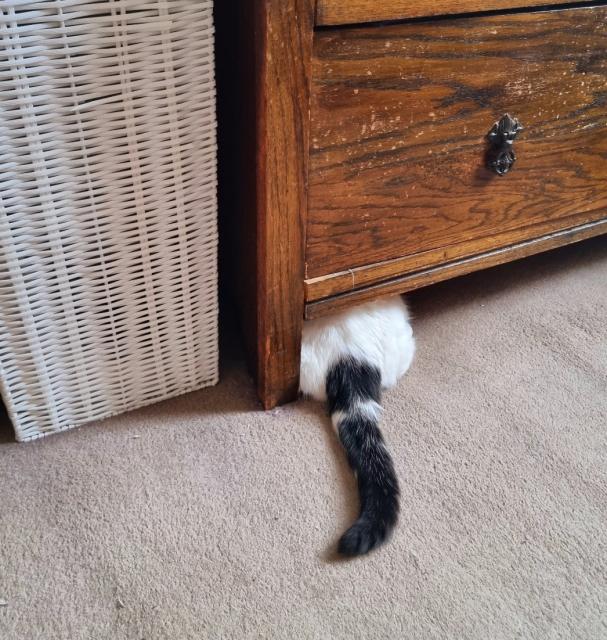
[[377, 332], [367, 408]]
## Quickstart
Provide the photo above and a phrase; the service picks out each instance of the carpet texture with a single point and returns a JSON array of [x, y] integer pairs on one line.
[[203, 517]]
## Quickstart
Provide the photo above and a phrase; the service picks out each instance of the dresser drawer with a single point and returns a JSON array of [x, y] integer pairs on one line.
[[399, 121]]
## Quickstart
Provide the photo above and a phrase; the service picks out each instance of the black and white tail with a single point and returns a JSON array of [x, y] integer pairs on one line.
[[353, 391]]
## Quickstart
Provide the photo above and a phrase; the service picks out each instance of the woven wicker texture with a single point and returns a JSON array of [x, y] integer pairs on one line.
[[108, 269]]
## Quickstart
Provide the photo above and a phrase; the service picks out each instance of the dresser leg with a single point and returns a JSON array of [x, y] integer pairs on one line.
[[267, 127], [279, 357], [284, 30]]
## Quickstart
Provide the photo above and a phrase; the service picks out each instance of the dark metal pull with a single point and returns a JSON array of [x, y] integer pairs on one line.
[[501, 156]]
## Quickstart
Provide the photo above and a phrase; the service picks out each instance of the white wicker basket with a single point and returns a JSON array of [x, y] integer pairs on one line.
[[108, 294]]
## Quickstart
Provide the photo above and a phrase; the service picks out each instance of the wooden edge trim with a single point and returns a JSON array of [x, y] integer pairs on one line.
[[333, 13], [457, 268]]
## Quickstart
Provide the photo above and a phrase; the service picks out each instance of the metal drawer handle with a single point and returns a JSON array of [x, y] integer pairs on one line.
[[501, 156]]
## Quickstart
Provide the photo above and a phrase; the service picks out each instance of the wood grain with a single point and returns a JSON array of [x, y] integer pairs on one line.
[[399, 119], [336, 12], [285, 38], [446, 271], [265, 122], [360, 277]]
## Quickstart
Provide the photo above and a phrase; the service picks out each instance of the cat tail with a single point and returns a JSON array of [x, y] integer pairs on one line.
[[354, 390]]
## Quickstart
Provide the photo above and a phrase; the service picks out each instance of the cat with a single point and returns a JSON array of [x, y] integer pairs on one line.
[[347, 359]]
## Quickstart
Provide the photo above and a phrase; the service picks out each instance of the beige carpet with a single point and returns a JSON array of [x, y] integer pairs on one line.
[[203, 517]]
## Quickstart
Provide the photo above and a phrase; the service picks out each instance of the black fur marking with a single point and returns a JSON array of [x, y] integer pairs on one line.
[[350, 380], [349, 383]]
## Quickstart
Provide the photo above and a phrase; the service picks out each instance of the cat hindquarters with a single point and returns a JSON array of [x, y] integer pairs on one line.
[[347, 359], [376, 332]]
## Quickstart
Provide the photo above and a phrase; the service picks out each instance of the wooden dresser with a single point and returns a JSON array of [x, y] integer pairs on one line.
[[397, 143]]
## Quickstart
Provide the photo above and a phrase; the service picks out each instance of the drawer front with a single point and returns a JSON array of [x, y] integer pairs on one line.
[[400, 116], [334, 12]]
